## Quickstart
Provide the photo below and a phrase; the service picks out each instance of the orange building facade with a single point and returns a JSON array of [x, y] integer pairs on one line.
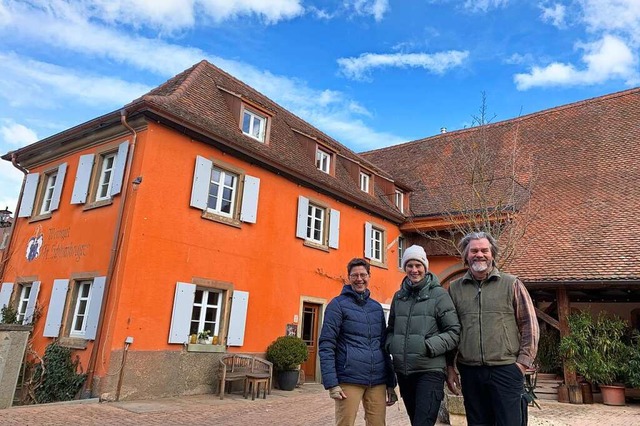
[[143, 227]]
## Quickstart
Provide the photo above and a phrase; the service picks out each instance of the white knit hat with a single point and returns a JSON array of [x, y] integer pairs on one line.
[[415, 253]]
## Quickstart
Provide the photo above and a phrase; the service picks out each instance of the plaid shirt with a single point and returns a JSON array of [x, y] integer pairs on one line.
[[527, 324]]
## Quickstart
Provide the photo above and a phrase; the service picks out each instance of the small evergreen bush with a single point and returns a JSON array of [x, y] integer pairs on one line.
[[287, 352]]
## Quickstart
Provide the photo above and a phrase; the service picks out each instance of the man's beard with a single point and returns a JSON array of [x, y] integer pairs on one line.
[[479, 266]]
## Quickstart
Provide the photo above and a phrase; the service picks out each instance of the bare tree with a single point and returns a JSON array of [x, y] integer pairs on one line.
[[487, 183]]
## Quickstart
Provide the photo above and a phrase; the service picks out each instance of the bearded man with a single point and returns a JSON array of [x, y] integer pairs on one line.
[[498, 339]]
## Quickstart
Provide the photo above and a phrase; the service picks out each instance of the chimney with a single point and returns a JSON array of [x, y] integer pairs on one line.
[[443, 130]]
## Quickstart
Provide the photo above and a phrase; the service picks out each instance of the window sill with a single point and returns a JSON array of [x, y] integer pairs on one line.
[[97, 204], [40, 217], [316, 246], [73, 342], [198, 347], [378, 264], [221, 219]]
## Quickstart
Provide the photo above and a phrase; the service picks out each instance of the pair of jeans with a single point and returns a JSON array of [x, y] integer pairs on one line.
[[374, 402], [493, 395], [422, 394]]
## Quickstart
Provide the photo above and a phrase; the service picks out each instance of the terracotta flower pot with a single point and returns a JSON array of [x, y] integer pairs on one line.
[[612, 395]]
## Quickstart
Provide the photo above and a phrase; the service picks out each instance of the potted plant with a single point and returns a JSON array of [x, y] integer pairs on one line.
[[597, 351], [287, 353], [633, 362], [203, 336]]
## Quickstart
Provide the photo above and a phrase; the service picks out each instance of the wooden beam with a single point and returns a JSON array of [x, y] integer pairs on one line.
[[552, 307], [548, 319], [564, 309]]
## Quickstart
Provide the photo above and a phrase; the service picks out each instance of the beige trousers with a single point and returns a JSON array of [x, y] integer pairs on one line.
[[374, 401]]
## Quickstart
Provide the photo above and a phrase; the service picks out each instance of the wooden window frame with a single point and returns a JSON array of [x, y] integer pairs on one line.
[[401, 248], [399, 200], [366, 180], [327, 156], [254, 114], [226, 290], [382, 261]]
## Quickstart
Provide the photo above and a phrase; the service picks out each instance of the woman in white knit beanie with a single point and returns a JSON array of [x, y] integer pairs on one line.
[[423, 326]]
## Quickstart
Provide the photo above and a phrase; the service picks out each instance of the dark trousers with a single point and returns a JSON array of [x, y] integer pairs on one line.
[[493, 395], [422, 394]]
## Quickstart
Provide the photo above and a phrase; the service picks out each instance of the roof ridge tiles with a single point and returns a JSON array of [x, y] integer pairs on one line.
[[514, 120]]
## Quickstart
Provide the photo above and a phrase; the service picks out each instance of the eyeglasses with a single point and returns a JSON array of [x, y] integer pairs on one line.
[[356, 276]]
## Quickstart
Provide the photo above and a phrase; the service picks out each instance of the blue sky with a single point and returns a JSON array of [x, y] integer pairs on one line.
[[370, 73]]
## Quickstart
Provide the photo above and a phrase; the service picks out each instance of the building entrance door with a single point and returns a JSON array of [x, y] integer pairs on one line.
[[310, 313]]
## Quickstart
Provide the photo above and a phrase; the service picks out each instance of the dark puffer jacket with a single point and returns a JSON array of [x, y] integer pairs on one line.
[[423, 326], [352, 342]]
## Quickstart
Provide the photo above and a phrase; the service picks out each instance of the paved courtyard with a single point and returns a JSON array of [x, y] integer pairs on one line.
[[308, 405]]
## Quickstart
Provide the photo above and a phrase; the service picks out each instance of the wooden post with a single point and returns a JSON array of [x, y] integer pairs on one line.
[[564, 309]]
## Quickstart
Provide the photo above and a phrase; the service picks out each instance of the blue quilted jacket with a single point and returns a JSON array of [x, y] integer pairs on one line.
[[352, 342]]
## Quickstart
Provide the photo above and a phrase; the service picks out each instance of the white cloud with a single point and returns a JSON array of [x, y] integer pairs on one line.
[[88, 40], [358, 68], [613, 16], [17, 135], [606, 59], [167, 15], [517, 59], [484, 5], [10, 182], [42, 84], [376, 8], [555, 15], [271, 11]]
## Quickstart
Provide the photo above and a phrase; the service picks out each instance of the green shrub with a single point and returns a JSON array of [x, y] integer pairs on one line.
[[9, 315], [57, 375], [549, 359], [596, 349], [287, 352], [633, 369]]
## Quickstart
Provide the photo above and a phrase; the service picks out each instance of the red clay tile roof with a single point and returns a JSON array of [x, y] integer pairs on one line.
[[586, 187], [197, 96]]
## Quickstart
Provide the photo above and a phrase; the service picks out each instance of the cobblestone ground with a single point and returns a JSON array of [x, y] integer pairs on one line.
[[308, 405]]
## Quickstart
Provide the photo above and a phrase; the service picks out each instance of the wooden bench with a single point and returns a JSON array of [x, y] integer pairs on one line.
[[236, 367]]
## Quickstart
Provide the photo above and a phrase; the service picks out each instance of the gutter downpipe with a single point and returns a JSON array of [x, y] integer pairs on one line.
[[5, 253], [115, 246]]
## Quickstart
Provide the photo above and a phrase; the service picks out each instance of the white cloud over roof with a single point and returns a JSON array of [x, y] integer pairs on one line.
[[358, 68]]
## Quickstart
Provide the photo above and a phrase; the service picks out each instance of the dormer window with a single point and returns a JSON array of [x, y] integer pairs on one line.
[[323, 161], [364, 182], [399, 200], [254, 124]]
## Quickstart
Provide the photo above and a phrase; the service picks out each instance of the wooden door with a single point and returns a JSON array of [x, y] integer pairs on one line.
[[309, 334]]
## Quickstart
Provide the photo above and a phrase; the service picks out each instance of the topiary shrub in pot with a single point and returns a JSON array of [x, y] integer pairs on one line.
[[287, 353]]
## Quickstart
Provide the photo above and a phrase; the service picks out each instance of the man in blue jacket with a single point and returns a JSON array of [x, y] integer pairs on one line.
[[353, 362]]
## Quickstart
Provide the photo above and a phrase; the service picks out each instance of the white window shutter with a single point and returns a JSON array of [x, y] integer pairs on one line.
[[31, 303], [201, 181], [29, 195], [181, 315], [334, 228], [5, 294], [56, 308], [238, 318], [367, 240], [94, 308], [118, 169], [83, 176], [250, 193], [57, 189], [303, 213]]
